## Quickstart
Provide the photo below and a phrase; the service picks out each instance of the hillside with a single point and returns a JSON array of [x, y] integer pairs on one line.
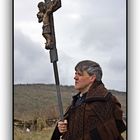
[[40, 100]]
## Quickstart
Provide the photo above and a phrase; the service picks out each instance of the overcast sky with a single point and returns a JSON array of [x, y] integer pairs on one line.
[[84, 29]]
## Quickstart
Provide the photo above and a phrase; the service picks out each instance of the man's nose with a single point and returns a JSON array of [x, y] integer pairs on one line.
[[75, 77]]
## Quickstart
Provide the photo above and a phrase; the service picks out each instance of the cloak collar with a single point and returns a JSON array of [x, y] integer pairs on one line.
[[97, 92]]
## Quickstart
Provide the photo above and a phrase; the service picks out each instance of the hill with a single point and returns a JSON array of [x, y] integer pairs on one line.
[[40, 100]]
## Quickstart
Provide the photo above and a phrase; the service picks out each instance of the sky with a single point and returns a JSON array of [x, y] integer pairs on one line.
[[91, 29]]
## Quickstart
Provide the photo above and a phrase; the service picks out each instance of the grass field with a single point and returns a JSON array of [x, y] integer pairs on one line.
[[42, 135], [32, 101]]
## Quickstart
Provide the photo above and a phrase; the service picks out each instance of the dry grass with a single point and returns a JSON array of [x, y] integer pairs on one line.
[[42, 135], [39, 100]]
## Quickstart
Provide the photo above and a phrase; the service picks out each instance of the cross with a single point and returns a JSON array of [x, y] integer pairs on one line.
[[45, 15]]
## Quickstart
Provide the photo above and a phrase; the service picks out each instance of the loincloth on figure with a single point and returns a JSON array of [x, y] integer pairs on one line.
[[46, 29]]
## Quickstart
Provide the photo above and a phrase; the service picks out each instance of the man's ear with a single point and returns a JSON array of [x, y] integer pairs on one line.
[[93, 78]]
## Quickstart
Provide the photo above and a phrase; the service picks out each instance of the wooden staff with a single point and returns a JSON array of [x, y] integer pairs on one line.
[[45, 15]]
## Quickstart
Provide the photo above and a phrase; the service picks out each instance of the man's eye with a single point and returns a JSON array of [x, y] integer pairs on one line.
[[80, 74]]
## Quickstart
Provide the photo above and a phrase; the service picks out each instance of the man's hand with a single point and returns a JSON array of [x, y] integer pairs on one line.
[[62, 126]]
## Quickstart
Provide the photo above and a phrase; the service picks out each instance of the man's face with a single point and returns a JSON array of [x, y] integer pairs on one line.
[[83, 81]]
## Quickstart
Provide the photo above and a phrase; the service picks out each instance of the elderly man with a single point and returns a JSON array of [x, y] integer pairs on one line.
[[94, 114]]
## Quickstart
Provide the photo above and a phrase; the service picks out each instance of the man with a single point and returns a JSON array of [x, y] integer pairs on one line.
[[95, 114]]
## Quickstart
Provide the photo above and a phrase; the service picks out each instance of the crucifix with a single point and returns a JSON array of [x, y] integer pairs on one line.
[[45, 15]]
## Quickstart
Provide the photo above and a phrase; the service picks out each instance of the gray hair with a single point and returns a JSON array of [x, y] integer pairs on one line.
[[91, 67]]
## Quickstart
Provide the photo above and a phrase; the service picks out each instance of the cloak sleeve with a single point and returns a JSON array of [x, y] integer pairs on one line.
[[56, 134], [118, 115]]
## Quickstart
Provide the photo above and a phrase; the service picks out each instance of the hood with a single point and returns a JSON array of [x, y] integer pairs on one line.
[[97, 92]]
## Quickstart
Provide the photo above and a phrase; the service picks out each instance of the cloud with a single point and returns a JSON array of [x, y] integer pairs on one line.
[[31, 63], [93, 30]]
